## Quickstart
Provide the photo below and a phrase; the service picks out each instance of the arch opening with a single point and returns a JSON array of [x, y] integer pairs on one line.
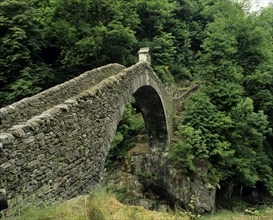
[[146, 106], [129, 133], [151, 107], [132, 175]]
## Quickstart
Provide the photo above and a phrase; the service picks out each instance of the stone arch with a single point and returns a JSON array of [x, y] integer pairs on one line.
[[152, 100], [68, 143]]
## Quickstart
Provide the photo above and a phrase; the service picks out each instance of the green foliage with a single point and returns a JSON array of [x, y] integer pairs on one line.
[[47, 42], [22, 72], [227, 130], [202, 142], [224, 94], [248, 140], [219, 49], [164, 74], [91, 33], [43, 43], [144, 175], [125, 137], [227, 126], [164, 50], [191, 210], [153, 16], [225, 140], [124, 196]]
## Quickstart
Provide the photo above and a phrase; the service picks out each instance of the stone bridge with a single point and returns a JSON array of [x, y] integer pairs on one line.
[[54, 144]]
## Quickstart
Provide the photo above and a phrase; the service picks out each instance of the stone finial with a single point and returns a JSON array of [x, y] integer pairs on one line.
[[144, 55]]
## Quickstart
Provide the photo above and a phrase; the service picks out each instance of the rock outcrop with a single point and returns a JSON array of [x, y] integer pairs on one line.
[[150, 176]]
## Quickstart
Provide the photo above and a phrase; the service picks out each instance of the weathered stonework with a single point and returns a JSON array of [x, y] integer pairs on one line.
[[23, 110], [147, 172], [53, 145], [59, 152]]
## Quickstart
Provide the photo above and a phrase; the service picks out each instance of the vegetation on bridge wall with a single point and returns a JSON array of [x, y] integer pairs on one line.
[[227, 124]]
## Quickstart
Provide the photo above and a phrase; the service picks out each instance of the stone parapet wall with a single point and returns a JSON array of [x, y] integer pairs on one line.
[[61, 152], [23, 110]]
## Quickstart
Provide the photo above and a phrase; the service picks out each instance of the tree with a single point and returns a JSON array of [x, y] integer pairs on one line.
[[233, 60], [22, 70], [153, 16], [85, 34], [202, 140], [224, 94], [250, 163], [219, 48]]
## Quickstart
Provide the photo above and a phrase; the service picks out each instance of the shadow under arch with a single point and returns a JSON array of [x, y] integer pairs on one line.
[[151, 107]]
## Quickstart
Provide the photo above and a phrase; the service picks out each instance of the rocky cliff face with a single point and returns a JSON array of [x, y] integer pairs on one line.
[[151, 177]]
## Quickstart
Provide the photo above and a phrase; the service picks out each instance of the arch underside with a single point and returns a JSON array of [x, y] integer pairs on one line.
[[153, 113]]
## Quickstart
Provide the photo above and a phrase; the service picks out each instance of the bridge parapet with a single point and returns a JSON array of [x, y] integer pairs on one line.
[[23, 110]]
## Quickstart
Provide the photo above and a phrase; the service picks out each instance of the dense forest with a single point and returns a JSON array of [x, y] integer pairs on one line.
[[227, 125]]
